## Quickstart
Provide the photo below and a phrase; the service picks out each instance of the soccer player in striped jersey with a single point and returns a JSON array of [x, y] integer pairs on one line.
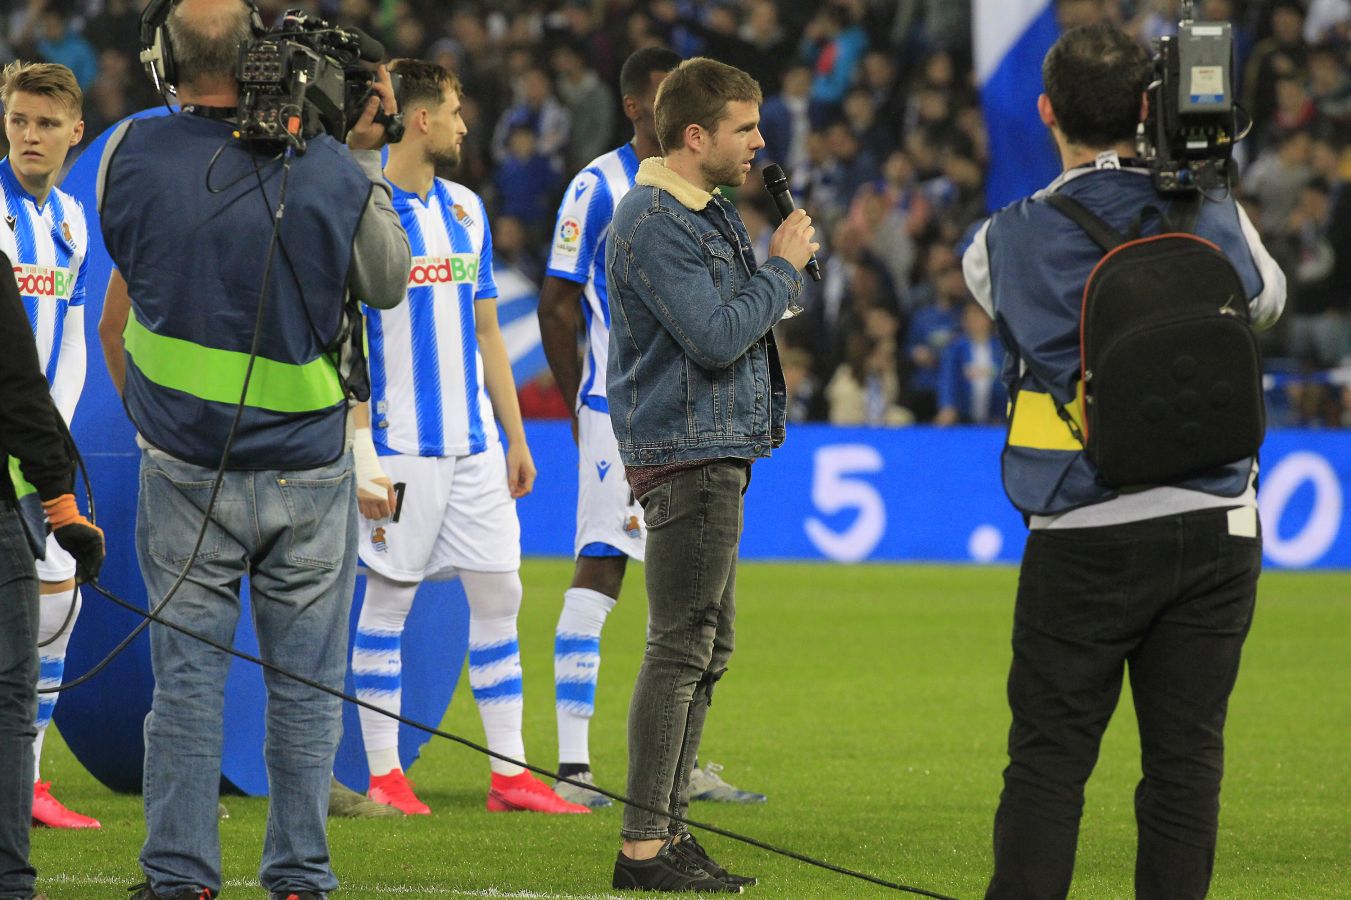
[[46, 238], [433, 481], [609, 519]]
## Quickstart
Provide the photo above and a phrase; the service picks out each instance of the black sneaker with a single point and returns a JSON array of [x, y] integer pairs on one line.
[[143, 891], [688, 847], [668, 871]]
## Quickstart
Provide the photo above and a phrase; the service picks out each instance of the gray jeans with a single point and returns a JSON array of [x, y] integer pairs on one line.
[[693, 529]]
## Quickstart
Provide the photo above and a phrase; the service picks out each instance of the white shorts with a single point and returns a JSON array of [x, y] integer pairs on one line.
[[58, 566], [453, 512], [607, 513]]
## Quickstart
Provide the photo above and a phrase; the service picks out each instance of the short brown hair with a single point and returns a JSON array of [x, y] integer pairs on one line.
[[423, 83], [697, 93], [46, 79]]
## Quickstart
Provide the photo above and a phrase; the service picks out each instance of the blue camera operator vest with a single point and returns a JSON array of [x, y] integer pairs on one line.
[[187, 225], [1039, 263]]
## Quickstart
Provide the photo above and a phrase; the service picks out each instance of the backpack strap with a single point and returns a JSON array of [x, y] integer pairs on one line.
[[1103, 235]]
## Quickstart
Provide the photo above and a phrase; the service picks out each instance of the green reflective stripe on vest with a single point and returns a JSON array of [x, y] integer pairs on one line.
[[21, 486], [217, 375], [31, 514]]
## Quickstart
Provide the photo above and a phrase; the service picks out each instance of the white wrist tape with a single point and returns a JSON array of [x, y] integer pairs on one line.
[[367, 463]]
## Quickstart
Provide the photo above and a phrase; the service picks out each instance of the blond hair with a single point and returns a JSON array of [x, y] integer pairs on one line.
[[697, 93], [44, 79]]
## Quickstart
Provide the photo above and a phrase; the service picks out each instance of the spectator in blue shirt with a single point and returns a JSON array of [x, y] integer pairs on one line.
[[970, 389], [61, 43], [833, 43]]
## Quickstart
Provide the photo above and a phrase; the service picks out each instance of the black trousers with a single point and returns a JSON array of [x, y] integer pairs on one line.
[[1168, 600]]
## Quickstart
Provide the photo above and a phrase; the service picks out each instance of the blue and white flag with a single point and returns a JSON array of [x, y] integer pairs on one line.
[[1011, 39], [517, 305]]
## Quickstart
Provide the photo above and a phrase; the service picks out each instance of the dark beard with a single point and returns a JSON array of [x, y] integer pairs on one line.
[[445, 159]]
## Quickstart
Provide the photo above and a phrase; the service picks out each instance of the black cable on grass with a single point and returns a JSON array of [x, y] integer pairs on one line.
[[334, 692]]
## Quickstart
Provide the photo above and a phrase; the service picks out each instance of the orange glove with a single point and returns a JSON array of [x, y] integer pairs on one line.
[[76, 535]]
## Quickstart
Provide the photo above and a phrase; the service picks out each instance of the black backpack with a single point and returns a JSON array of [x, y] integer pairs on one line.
[[1172, 377]]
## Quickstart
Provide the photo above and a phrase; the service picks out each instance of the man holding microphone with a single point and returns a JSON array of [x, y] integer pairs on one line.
[[696, 394]]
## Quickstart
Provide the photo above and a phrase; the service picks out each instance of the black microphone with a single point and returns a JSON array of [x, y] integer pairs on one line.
[[777, 185], [368, 48]]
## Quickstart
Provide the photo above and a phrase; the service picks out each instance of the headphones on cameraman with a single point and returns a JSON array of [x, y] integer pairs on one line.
[[157, 53]]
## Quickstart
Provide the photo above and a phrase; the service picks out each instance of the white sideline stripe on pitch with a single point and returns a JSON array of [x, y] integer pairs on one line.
[[354, 887]]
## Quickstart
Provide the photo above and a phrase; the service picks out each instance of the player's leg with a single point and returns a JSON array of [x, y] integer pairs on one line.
[[377, 672], [586, 604], [481, 539], [395, 552], [57, 612], [609, 532]]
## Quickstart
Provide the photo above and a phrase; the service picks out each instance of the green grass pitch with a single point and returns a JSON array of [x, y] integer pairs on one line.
[[868, 703]]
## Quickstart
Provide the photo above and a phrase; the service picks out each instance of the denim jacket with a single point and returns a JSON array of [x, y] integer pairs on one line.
[[693, 371]]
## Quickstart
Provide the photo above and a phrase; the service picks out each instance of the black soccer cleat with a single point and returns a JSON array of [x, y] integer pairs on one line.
[[669, 871]]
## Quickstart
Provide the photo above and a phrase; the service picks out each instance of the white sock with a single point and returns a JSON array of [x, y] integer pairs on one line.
[[576, 668], [52, 612], [495, 662], [377, 667]]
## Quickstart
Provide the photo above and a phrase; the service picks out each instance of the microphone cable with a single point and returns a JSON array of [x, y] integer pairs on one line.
[[219, 477], [154, 616]]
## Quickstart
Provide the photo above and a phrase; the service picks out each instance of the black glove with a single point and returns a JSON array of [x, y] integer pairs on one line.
[[77, 536]]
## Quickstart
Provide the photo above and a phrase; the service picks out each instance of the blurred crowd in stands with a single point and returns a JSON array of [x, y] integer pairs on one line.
[[871, 107]]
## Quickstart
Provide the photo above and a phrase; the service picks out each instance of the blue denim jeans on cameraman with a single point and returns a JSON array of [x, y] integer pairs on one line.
[[693, 529], [293, 533], [18, 703]]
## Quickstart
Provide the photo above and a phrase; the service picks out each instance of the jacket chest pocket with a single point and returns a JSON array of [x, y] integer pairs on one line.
[[723, 264]]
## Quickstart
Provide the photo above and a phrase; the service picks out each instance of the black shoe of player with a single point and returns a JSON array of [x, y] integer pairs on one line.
[[691, 849], [669, 871]]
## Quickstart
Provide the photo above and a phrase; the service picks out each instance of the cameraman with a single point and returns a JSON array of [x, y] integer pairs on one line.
[[32, 433], [1161, 580], [187, 218]]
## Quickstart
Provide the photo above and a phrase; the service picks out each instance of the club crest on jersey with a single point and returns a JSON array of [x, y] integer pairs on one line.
[[462, 216], [378, 540], [65, 233], [44, 282], [458, 268], [569, 236], [632, 527]]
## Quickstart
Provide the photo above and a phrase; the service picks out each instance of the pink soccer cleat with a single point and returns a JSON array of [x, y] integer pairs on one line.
[[526, 793], [393, 789], [49, 811]]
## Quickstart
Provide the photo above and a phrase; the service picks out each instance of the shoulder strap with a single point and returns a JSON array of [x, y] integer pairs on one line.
[[1104, 235]]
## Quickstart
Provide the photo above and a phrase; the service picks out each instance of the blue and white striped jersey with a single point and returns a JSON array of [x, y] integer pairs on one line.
[[578, 255], [47, 247], [427, 389]]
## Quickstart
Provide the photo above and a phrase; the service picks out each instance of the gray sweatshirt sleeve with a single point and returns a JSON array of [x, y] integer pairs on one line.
[[381, 258]]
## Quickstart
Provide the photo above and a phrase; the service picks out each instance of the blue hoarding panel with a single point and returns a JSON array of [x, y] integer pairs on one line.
[[855, 494]]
